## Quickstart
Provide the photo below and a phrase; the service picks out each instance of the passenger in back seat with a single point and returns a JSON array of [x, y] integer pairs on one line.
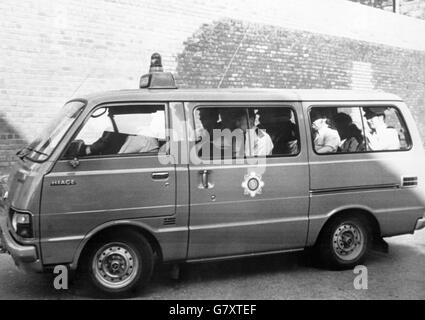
[[283, 132]]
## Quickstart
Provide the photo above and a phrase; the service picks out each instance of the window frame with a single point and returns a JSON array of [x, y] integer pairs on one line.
[[400, 116], [122, 155], [254, 105]]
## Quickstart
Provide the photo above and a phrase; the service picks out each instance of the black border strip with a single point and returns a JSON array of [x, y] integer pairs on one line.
[[357, 188]]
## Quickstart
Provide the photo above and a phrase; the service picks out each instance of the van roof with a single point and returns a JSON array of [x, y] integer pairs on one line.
[[239, 95]]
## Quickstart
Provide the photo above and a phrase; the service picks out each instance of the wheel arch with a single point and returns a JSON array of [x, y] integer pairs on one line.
[[114, 226], [366, 213]]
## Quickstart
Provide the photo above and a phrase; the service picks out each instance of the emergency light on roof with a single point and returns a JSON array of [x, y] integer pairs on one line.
[[157, 78]]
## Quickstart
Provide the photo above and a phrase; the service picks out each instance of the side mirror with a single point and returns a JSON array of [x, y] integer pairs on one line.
[[99, 112]]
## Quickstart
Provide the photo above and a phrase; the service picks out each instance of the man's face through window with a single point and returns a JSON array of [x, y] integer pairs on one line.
[[274, 117], [318, 124], [375, 121], [242, 122], [208, 118], [231, 118]]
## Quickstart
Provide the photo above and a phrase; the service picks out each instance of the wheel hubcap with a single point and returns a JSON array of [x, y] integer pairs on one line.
[[348, 241], [115, 265]]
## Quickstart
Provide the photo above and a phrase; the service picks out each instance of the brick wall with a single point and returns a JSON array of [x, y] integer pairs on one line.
[[53, 51], [268, 56], [411, 8]]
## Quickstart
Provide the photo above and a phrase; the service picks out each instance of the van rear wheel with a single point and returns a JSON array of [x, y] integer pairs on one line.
[[119, 264], [344, 242]]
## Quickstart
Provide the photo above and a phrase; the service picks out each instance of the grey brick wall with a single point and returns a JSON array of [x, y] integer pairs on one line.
[[268, 56]]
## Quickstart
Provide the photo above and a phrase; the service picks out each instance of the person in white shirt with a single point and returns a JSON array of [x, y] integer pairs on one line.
[[258, 142], [326, 140], [221, 139], [380, 137], [236, 136], [139, 144]]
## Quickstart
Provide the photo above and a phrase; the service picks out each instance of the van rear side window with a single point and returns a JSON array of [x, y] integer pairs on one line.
[[358, 129]]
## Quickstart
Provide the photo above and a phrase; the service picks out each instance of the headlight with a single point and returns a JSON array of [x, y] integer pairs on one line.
[[21, 223]]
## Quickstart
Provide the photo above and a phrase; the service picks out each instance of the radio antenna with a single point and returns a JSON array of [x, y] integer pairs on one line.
[[81, 83], [233, 57]]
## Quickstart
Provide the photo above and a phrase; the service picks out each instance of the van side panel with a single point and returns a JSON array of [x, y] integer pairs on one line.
[[225, 220], [371, 181]]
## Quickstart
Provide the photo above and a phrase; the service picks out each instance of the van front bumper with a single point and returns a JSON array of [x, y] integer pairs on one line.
[[25, 256]]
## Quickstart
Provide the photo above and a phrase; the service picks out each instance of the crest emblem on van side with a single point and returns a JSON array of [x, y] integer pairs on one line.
[[252, 184], [63, 182]]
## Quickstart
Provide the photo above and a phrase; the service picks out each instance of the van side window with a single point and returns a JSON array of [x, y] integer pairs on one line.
[[280, 124], [385, 129], [220, 132], [357, 129], [122, 130], [232, 132]]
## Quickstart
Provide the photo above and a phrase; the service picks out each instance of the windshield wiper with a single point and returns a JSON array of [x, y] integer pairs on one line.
[[38, 152], [22, 154]]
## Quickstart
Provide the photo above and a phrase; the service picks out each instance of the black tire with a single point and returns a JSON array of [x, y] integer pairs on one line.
[[118, 264], [344, 242]]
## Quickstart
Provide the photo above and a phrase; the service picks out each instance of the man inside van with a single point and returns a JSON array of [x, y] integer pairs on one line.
[[257, 141], [234, 124], [326, 140], [209, 121], [219, 139], [380, 136], [351, 136], [276, 121], [237, 136]]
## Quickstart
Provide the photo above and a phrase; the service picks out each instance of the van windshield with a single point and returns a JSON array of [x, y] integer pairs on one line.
[[44, 144]]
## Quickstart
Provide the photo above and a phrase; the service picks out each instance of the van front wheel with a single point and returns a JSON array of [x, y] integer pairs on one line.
[[344, 242], [120, 264]]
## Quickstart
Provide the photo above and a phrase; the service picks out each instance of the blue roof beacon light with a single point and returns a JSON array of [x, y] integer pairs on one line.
[[157, 78]]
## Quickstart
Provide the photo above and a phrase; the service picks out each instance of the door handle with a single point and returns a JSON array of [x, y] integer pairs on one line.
[[204, 179], [160, 175]]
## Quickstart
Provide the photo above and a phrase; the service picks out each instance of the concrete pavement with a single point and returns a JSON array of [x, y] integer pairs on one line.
[[400, 274]]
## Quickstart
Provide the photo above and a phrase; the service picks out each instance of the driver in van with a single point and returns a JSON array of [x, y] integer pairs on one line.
[[139, 144], [380, 136], [109, 143], [119, 143]]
